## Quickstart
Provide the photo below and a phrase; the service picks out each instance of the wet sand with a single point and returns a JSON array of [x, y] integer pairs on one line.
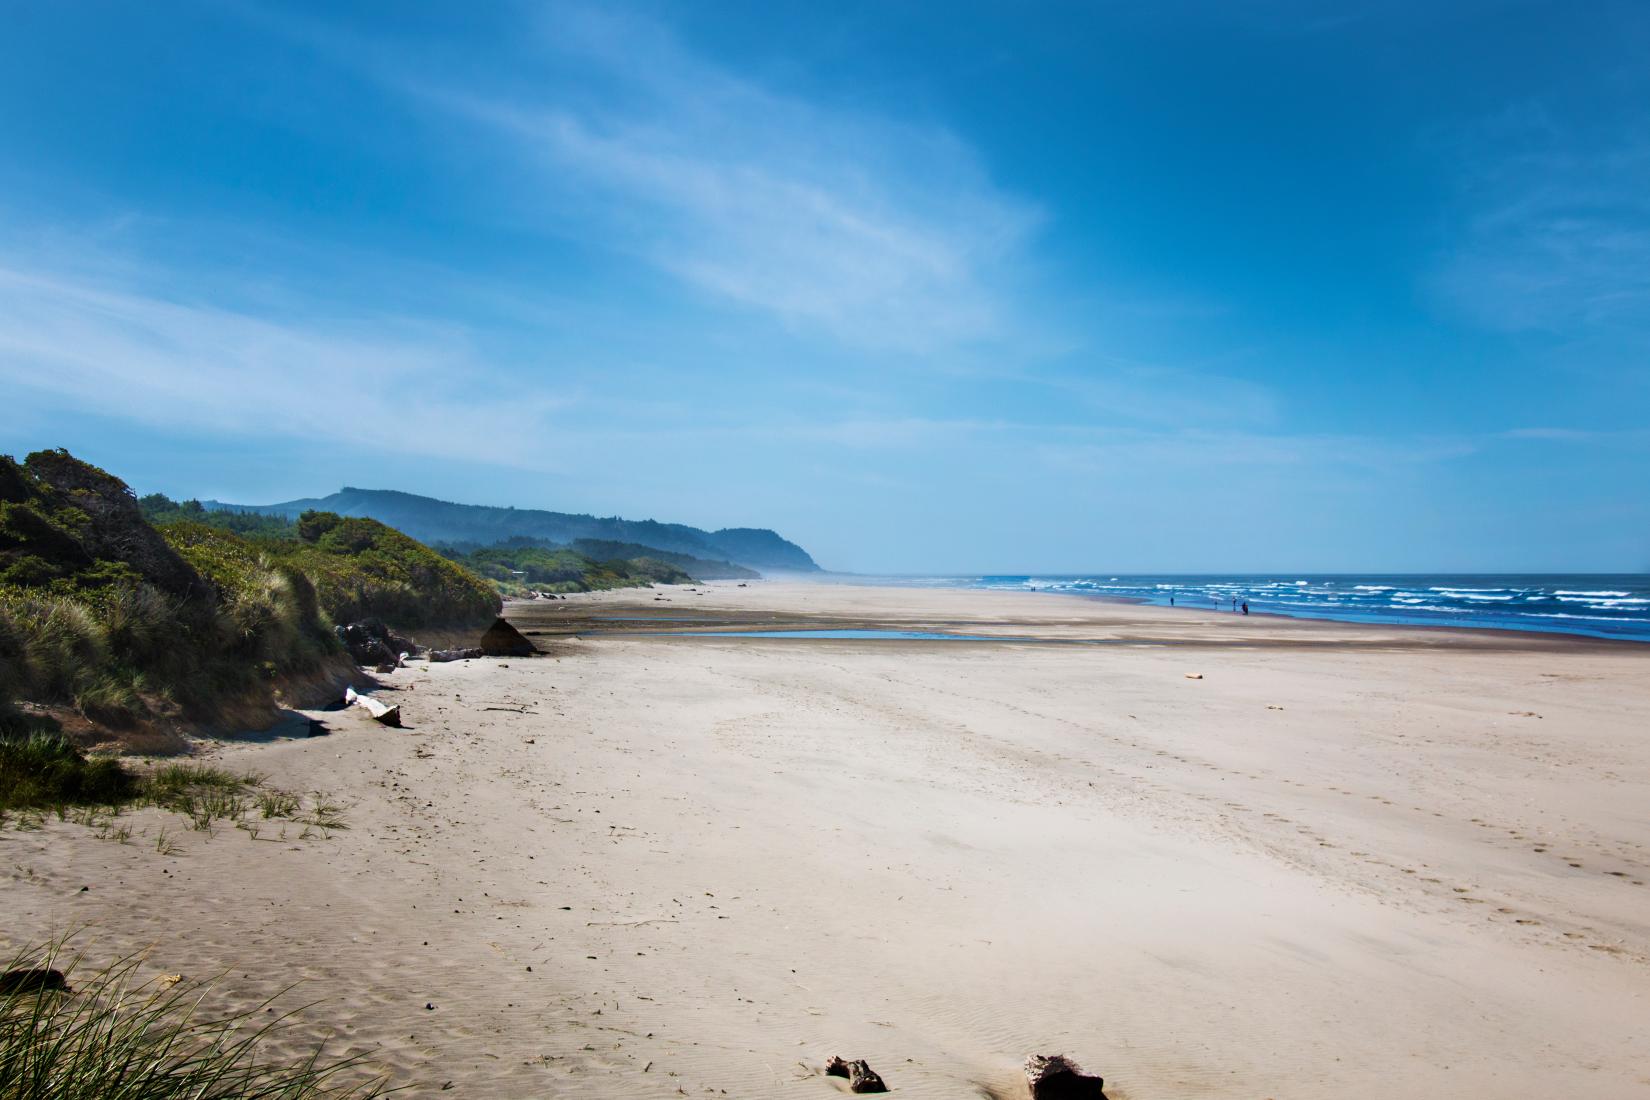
[[1347, 861]]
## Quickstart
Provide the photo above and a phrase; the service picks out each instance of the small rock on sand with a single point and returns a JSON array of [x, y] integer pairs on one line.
[[1056, 1077]]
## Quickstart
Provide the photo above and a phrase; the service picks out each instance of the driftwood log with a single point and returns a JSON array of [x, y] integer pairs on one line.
[[381, 712], [1056, 1077], [861, 1077], [439, 655]]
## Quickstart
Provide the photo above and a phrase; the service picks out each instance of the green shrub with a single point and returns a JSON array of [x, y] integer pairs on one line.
[[61, 641], [46, 770], [515, 568], [363, 569]]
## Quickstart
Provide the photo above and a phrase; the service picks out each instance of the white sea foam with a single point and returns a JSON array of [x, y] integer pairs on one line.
[[1568, 592], [1597, 601]]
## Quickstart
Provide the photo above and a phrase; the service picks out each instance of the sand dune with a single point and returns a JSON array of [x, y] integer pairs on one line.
[[1347, 862]]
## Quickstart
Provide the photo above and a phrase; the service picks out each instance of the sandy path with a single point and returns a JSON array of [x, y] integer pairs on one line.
[[722, 858]]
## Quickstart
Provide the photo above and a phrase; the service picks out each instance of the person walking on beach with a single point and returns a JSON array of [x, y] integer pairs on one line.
[[1246, 607]]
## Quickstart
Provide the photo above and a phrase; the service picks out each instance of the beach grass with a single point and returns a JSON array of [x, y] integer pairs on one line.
[[81, 1034], [44, 773]]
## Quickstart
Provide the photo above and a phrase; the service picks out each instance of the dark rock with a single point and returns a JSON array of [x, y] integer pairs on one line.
[[36, 980], [861, 1077], [1056, 1077], [504, 640]]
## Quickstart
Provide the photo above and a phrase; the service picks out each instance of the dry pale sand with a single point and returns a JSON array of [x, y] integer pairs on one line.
[[1347, 862]]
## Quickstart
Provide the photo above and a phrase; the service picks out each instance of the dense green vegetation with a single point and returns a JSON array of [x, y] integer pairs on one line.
[[700, 569], [438, 521], [162, 510], [122, 620], [362, 569], [514, 567], [99, 611], [517, 568], [359, 567]]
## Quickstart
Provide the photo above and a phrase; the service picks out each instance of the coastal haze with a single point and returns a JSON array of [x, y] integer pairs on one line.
[[783, 550]]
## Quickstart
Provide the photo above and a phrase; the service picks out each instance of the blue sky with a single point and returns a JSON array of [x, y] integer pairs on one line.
[[928, 288]]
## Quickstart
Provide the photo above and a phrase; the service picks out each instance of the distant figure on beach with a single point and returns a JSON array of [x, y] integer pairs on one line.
[[1246, 607], [1171, 601]]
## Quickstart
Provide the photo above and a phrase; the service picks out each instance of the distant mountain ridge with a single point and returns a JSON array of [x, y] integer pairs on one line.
[[439, 521]]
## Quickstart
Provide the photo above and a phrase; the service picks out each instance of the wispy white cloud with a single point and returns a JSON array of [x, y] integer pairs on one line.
[[1557, 231], [402, 386], [882, 233]]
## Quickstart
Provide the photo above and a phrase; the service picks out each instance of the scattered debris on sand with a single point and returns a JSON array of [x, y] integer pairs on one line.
[[861, 1077], [372, 644]]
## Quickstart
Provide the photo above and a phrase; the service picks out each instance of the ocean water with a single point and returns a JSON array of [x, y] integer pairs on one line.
[[1599, 605]]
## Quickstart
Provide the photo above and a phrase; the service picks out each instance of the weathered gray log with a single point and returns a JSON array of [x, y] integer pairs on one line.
[[439, 655], [381, 712], [1056, 1077], [861, 1077]]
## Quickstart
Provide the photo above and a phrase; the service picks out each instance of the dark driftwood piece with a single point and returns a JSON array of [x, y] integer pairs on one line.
[[861, 1077], [1056, 1077]]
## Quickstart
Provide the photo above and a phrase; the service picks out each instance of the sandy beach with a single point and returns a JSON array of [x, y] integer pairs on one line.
[[1344, 861]]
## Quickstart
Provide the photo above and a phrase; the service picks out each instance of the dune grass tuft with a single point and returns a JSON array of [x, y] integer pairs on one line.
[[116, 1035], [45, 771]]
